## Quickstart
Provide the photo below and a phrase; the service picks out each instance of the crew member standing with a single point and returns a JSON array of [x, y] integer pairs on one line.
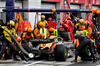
[[69, 23], [45, 24], [8, 39], [51, 23]]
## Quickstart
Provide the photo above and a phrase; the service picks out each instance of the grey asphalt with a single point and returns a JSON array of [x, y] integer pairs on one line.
[[48, 63], [86, 63]]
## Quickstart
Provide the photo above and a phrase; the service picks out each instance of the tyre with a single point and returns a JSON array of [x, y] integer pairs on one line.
[[61, 53], [98, 47], [85, 52], [65, 35]]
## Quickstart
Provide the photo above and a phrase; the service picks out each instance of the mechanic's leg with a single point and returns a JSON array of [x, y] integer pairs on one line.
[[91, 50], [87, 42], [76, 54], [13, 50], [71, 34], [3, 48], [79, 48], [26, 47]]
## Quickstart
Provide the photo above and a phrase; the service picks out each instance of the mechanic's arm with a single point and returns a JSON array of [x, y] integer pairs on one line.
[[71, 25], [13, 31], [28, 39], [23, 36], [38, 22], [46, 23], [48, 34], [55, 25], [1, 28], [77, 42], [37, 35], [89, 32], [32, 36]]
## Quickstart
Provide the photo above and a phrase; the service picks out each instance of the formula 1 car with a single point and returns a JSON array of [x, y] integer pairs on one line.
[[52, 48]]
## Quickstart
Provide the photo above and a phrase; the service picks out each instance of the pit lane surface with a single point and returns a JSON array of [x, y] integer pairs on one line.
[[48, 63]]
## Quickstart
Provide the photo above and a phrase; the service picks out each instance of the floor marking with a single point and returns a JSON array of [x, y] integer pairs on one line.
[[33, 63], [98, 65]]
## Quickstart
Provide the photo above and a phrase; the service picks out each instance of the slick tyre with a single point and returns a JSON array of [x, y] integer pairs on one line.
[[65, 35], [84, 53], [61, 53], [98, 47]]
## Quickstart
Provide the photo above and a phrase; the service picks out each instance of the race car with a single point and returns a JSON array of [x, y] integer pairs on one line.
[[52, 48]]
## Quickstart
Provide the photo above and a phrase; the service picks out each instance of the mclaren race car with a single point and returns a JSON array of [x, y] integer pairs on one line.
[[52, 48]]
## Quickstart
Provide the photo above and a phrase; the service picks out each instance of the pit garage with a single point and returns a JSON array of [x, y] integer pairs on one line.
[[51, 5], [77, 6], [95, 6]]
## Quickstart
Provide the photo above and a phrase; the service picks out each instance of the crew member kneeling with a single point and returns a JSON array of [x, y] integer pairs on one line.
[[26, 37], [82, 42]]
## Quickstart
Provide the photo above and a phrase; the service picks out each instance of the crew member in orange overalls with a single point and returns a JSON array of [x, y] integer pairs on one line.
[[51, 32], [79, 25], [36, 31], [26, 37], [18, 39], [18, 20], [18, 17], [88, 28]]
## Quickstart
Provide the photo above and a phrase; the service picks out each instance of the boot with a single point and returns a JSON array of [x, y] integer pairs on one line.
[[26, 61], [2, 58], [16, 59], [95, 59], [74, 61]]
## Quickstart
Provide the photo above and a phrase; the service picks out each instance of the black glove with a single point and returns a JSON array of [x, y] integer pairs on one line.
[[46, 26], [76, 35], [1, 29]]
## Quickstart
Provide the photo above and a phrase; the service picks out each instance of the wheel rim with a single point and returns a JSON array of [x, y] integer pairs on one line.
[[65, 53], [87, 49]]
